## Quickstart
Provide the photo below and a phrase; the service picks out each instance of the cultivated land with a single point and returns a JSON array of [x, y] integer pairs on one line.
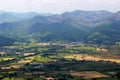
[[59, 61], [88, 57], [89, 74]]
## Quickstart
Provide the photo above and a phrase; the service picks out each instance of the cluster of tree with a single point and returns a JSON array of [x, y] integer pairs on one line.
[[107, 33], [5, 41]]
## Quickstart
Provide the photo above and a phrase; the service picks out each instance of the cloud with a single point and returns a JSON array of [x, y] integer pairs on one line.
[[57, 6]]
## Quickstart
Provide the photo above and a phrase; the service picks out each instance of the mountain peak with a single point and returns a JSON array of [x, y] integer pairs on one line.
[[115, 17]]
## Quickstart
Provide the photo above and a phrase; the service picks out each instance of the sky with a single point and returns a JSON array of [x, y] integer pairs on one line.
[[58, 6]]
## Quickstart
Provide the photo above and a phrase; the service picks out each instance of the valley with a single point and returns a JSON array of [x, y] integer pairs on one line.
[[76, 45], [68, 61]]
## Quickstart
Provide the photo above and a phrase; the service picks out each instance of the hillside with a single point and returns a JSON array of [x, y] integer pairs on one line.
[[88, 18], [84, 26], [5, 41], [57, 32], [108, 32]]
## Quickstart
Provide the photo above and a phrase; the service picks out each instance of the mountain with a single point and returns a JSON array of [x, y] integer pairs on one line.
[[88, 18], [6, 17], [29, 15], [13, 16], [86, 26], [49, 31], [115, 17], [56, 32], [80, 19], [108, 32]]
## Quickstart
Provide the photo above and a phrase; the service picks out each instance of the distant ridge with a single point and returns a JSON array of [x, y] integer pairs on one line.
[[84, 26]]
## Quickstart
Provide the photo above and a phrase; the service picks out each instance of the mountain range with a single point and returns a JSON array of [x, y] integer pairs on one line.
[[100, 27], [15, 16]]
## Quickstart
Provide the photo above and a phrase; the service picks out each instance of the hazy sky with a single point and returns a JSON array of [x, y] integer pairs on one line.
[[58, 6]]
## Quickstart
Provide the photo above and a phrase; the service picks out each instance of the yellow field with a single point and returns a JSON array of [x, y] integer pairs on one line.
[[90, 58], [89, 74], [24, 61], [5, 59]]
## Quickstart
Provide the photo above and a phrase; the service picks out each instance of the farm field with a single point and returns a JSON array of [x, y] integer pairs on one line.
[[58, 62], [89, 74], [90, 58]]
